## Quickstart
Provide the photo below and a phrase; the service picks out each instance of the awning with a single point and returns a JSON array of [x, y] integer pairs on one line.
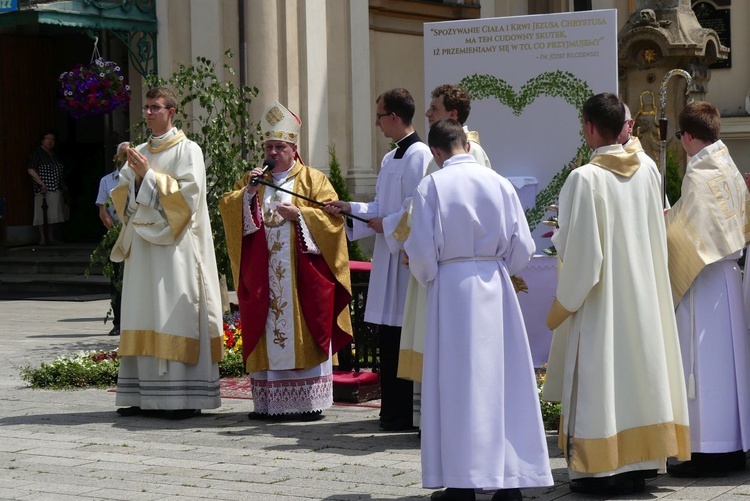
[[118, 15], [132, 21]]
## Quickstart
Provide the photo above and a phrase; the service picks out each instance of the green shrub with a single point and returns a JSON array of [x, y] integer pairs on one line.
[[232, 365], [339, 184]]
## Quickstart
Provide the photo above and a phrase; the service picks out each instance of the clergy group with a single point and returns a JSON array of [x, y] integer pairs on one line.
[[649, 359]]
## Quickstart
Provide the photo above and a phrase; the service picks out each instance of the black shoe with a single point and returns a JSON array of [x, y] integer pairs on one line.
[[303, 416], [700, 465], [115, 331], [452, 494], [130, 411], [507, 495], [737, 460], [259, 416], [397, 425], [623, 483], [179, 414]]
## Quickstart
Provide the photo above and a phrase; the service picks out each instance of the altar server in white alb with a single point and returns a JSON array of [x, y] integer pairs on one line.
[[481, 422], [448, 101], [171, 325], [706, 231], [400, 171], [624, 405]]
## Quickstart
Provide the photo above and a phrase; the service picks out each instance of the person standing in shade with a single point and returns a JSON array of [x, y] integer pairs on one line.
[[171, 319], [707, 229], [109, 218], [482, 424], [290, 265], [624, 405], [400, 172], [46, 171]]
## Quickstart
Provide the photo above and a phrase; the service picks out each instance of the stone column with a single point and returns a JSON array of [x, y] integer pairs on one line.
[[262, 24], [363, 174], [314, 82]]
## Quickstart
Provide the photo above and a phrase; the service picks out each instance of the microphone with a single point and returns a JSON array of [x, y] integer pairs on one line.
[[268, 165]]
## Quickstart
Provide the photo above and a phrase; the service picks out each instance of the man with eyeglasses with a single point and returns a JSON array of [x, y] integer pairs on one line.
[[171, 319], [400, 172], [624, 407], [707, 229]]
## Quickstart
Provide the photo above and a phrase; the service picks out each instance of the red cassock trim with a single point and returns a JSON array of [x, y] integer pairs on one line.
[[253, 290], [321, 297]]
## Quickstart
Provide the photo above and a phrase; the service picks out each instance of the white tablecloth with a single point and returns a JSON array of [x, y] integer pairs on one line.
[[541, 277]]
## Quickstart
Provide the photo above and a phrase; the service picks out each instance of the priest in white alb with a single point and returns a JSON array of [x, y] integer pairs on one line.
[[400, 171], [448, 101], [707, 229], [624, 405], [481, 422], [171, 324]]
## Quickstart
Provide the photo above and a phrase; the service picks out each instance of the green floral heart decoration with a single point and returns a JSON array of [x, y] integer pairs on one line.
[[553, 84]]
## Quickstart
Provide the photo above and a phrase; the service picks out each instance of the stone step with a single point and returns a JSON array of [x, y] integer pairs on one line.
[[57, 287], [63, 259], [52, 272]]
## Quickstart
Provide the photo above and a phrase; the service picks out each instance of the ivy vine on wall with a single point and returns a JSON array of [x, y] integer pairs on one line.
[[557, 84]]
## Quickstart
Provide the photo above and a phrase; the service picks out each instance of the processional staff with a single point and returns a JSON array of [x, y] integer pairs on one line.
[[663, 125]]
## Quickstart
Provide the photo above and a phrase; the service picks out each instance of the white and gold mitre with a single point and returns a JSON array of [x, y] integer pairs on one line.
[[280, 124]]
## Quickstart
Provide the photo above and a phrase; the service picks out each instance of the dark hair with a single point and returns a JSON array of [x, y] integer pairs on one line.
[[46, 132], [400, 102], [169, 98], [454, 98], [447, 135], [702, 120], [606, 112]]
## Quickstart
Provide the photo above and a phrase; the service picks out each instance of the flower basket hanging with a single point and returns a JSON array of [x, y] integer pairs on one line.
[[93, 89]]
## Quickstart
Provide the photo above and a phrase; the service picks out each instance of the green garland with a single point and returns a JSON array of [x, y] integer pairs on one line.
[[558, 83]]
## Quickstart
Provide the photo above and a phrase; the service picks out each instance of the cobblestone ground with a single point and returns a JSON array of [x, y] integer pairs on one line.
[[70, 445]]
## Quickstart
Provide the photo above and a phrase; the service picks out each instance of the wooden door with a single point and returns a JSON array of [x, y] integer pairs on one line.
[[27, 107]]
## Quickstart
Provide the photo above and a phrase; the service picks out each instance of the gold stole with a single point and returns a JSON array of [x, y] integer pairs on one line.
[[709, 221]]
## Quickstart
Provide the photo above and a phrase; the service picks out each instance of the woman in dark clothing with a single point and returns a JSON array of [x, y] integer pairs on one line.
[[46, 170]]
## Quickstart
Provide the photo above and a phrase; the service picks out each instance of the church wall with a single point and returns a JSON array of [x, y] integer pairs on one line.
[[315, 57]]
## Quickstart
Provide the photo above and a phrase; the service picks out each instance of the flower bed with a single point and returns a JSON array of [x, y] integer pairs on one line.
[[550, 410], [99, 368]]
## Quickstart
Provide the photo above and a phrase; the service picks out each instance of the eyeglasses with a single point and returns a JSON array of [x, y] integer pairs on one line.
[[679, 134], [153, 109], [383, 115]]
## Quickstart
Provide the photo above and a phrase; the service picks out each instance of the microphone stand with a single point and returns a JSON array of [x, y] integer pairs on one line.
[[257, 180]]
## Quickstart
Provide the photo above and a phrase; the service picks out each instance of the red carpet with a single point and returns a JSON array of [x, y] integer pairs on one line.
[[240, 388]]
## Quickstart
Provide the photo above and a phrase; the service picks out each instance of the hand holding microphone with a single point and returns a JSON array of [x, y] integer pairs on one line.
[[268, 165]]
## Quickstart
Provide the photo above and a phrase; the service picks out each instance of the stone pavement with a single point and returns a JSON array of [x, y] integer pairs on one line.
[[70, 445]]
